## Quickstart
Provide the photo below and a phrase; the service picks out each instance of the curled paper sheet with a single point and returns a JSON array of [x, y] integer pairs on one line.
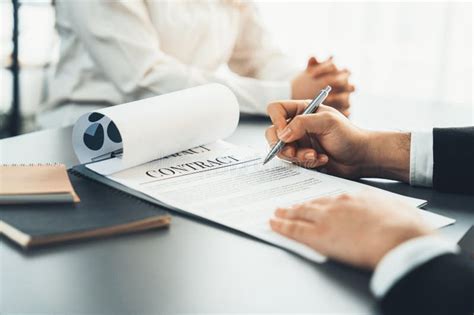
[[127, 135]]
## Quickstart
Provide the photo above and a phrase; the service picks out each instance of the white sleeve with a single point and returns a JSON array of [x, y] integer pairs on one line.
[[255, 53], [127, 49], [406, 257], [421, 159]]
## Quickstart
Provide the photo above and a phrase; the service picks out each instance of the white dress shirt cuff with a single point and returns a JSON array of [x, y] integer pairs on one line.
[[406, 257], [421, 159]]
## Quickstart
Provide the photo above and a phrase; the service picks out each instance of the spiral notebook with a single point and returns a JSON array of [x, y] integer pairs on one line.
[[103, 211], [35, 183]]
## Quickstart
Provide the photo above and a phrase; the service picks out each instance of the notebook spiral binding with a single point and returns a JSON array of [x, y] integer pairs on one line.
[[115, 190], [32, 164]]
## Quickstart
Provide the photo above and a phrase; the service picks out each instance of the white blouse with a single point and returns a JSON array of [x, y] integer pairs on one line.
[[114, 52]]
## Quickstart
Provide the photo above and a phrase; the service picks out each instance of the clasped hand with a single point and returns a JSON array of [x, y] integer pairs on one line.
[[318, 75]]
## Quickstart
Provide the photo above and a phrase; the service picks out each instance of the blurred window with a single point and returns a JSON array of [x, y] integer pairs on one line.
[[406, 57]]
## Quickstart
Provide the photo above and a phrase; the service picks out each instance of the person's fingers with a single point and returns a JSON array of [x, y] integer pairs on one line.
[[300, 231], [306, 154], [312, 61], [319, 161], [339, 80], [349, 88], [317, 124], [288, 152], [339, 101], [306, 164], [309, 158], [306, 211], [323, 68], [271, 136], [321, 201], [280, 111]]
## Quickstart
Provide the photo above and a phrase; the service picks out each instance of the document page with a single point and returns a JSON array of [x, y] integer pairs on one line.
[[119, 137], [229, 185]]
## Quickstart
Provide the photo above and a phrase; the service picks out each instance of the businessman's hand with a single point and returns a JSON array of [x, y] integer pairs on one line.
[[355, 229], [317, 76], [329, 139], [324, 138]]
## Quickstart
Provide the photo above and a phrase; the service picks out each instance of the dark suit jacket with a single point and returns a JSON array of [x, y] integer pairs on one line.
[[453, 152], [445, 284]]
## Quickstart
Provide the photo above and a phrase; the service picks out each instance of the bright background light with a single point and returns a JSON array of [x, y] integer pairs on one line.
[[408, 59], [411, 57]]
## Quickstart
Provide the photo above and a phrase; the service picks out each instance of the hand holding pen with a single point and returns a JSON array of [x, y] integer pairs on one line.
[[311, 108], [328, 139]]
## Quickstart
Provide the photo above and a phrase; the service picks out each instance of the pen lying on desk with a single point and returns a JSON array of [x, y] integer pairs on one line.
[[312, 107]]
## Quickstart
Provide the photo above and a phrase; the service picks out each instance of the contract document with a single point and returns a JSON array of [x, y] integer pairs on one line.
[[228, 184]]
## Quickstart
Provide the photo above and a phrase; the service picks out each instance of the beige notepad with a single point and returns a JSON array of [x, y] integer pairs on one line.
[[35, 184]]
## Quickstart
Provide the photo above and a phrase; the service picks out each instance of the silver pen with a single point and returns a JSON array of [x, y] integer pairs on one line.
[[312, 107]]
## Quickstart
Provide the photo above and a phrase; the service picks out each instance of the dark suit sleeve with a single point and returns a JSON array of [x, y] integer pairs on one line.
[[453, 154], [443, 285]]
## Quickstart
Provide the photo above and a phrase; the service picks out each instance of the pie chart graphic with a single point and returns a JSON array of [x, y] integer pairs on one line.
[[113, 133], [93, 117], [94, 136]]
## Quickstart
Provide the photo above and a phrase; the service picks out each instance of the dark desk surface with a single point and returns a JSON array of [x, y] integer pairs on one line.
[[191, 267]]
